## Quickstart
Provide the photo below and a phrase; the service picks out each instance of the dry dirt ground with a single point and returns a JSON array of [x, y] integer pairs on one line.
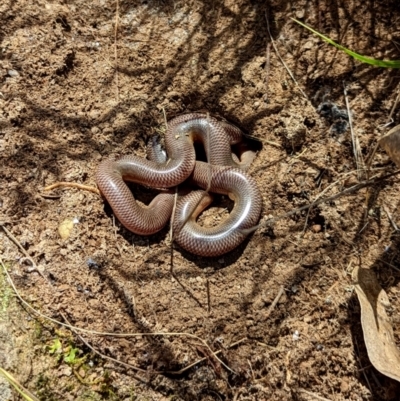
[[281, 309]]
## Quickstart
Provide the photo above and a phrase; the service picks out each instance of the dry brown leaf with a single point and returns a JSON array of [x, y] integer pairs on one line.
[[376, 324], [390, 142]]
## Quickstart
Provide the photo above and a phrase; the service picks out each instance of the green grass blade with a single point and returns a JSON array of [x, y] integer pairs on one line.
[[359, 57], [25, 394]]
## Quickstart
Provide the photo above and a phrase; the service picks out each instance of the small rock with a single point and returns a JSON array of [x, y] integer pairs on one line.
[[65, 228], [65, 371], [316, 228], [308, 45], [344, 386], [13, 73]]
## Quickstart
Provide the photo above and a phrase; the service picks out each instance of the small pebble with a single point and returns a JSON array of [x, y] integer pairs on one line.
[[316, 228], [12, 73], [65, 228]]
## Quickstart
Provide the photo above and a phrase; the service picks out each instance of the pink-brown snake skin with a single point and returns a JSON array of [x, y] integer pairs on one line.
[[223, 171]]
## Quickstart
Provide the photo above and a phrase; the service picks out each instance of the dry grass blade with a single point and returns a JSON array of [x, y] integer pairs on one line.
[[354, 140], [116, 49], [389, 121], [281, 59], [22, 391]]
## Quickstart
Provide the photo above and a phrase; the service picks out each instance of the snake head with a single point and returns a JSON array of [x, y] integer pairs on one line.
[[155, 151]]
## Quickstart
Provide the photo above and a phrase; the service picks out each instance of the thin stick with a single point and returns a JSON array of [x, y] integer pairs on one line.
[[362, 370], [281, 59], [208, 154], [185, 289], [354, 139], [389, 215], [267, 68], [208, 296], [115, 235], [394, 107], [179, 372], [115, 49], [171, 229], [165, 118], [275, 301], [22, 249], [371, 157], [316, 396], [72, 185]]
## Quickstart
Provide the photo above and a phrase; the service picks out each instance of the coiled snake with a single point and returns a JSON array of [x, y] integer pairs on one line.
[[223, 172]]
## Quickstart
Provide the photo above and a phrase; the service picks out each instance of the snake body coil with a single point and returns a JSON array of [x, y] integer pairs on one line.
[[223, 172]]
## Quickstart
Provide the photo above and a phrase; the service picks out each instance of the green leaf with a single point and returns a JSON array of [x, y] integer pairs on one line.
[[70, 356], [56, 347], [359, 57]]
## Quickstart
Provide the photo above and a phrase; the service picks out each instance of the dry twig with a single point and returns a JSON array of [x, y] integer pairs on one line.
[[22, 249], [315, 396], [390, 119], [281, 59], [275, 301], [72, 185], [354, 139], [115, 49]]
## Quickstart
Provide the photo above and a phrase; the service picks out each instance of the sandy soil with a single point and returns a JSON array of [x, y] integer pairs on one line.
[[281, 309]]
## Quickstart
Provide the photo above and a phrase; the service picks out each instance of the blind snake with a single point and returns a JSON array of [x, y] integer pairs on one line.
[[224, 172]]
